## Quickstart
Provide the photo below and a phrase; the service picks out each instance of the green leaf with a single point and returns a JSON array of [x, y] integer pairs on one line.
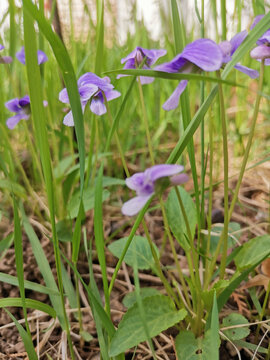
[[27, 341], [237, 333], [176, 218], [130, 299], [29, 303], [64, 230], [160, 314], [253, 252], [138, 248], [216, 231], [88, 201], [86, 336], [189, 348]]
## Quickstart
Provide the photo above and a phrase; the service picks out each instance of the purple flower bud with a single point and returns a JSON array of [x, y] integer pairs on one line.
[[137, 56], [145, 184]]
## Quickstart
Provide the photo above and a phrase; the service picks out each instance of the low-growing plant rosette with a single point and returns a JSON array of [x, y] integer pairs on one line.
[[153, 180]]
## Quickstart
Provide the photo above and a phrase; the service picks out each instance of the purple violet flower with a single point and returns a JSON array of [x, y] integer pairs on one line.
[[137, 56], [146, 184], [228, 48], [42, 57], [22, 109], [202, 54], [4, 59], [262, 51], [91, 87]]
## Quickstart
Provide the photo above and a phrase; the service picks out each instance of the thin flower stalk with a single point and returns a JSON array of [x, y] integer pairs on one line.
[[210, 196], [160, 274], [145, 119], [242, 170], [91, 149], [180, 273], [122, 156], [224, 236]]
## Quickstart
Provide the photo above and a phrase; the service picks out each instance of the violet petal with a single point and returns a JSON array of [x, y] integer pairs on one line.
[[13, 121], [158, 171], [253, 74], [204, 53], [112, 94], [42, 57], [260, 52], [237, 40], [24, 101], [63, 96], [133, 206], [87, 90], [97, 106], [135, 182], [20, 55], [179, 179], [173, 100], [172, 66], [5, 59], [13, 105], [68, 119]]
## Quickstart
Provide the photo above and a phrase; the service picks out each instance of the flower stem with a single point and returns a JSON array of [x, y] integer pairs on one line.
[[180, 273], [250, 138], [158, 268], [145, 119], [242, 170], [91, 150], [124, 163], [210, 199], [224, 235]]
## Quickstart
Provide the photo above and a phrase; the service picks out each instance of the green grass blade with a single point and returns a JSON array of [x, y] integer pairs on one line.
[[44, 267], [66, 67], [100, 37], [30, 285], [106, 321], [99, 235], [29, 303], [224, 296], [28, 344], [173, 76], [114, 126], [179, 39], [19, 259]]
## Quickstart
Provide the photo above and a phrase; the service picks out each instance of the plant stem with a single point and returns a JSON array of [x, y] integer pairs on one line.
[[224, 235], [146, 122], [165, 282], [91, 150], [210, 199], [180, 273], [250, 138], [117, 139], [242, 170]]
